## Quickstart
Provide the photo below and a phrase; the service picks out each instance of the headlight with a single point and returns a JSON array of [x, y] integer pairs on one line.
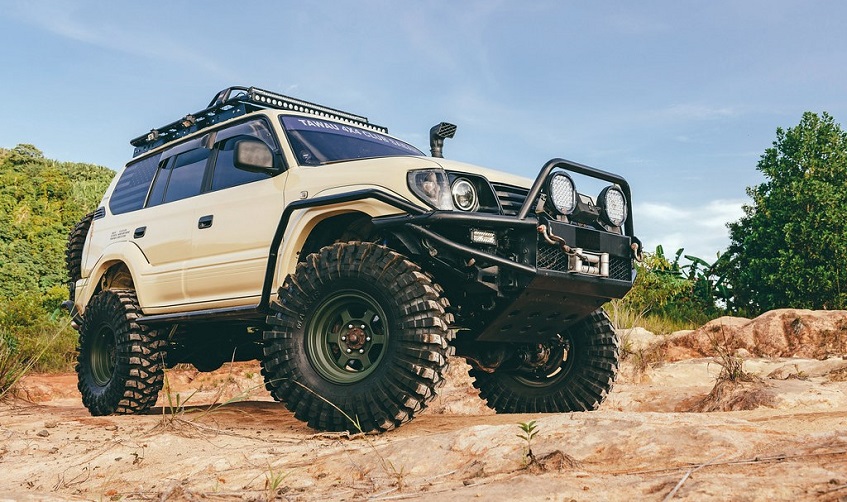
[[464, 195], [562, 192], [613, 202], [432, 187]]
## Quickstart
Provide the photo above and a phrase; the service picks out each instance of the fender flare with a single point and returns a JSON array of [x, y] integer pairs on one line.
[[126, 253]]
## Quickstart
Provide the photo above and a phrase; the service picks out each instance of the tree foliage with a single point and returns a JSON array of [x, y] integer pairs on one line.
[[40, 200], [790, 247], [670, 291]]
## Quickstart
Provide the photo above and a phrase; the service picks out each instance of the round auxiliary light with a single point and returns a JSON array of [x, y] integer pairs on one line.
[[562, 192], [613, 202], [464, 195]]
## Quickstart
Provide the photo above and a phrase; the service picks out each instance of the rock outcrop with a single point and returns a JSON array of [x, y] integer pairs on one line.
[[814, 334]]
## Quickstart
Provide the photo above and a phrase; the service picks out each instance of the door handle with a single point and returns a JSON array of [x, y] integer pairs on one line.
[[205, 221], [139, 232]]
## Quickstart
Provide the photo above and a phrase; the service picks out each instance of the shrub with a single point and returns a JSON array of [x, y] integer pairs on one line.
[[668, 296]]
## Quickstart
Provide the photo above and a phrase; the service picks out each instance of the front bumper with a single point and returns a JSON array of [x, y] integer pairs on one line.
[[563, 288], [541, 274]]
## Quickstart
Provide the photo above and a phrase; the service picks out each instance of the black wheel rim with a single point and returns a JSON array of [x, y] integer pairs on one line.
[[562, 356], [346, 336], [103, 357]]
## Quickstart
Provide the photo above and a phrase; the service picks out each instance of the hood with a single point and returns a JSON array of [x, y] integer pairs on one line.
[[490, 174]]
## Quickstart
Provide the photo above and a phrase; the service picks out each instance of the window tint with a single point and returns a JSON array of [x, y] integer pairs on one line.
[[187, 175], [255, 128], [131, 189], [226, 174]]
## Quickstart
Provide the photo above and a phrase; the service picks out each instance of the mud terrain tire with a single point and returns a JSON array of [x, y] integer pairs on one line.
[[579, 383], [358, 339], [73, 252], [121, 364]]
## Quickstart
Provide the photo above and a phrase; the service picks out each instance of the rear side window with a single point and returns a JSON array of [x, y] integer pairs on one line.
[[132, 187], [187, 175]]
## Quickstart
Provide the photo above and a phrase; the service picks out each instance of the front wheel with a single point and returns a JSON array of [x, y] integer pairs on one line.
[[358, 339], [577, 374]]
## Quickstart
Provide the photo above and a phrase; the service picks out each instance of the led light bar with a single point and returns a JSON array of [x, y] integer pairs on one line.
[[279, 101]]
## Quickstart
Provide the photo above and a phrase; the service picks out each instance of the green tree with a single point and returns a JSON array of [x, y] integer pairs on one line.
[[790, 247], [40, 200]]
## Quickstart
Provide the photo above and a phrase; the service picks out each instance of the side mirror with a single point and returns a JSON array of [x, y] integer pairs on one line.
[[253, 155]]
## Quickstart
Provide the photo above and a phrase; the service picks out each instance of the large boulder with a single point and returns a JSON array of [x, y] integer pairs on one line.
[[813, 334]]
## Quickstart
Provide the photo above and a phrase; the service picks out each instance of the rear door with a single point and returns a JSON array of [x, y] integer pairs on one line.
[[165, 231]]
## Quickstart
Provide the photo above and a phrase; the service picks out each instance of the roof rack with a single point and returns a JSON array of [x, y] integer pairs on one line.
[[235, 101]]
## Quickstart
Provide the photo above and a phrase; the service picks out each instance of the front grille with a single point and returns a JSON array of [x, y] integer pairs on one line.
[[551, 258], [511, 197], [620, 268]]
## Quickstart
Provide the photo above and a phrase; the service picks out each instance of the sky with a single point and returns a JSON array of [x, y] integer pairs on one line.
[[681, 98]]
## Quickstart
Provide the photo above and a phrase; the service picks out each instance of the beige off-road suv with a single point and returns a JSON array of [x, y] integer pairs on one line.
[[349, 263]]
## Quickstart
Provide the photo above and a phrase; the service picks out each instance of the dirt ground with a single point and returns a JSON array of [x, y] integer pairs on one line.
[[643, 444]]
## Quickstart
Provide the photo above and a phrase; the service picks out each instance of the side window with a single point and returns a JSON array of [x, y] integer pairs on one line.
[[187, 175], [180, 177], [225, 173], [131, 189]]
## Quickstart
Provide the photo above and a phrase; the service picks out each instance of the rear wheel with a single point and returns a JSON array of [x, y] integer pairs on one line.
[[358, 339], [120, 366], [73, 252], [572, 373]]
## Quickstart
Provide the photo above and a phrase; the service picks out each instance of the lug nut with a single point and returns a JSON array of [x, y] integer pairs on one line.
[[362, 326], [361, 351], [349, 326], [367, 339], [343, 338], [349, 351]]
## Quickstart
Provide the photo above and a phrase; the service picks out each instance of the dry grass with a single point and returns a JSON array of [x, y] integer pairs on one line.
[[624, 317], [734, 389]]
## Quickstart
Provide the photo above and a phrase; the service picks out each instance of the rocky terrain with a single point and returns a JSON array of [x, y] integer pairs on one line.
[[737, 410]]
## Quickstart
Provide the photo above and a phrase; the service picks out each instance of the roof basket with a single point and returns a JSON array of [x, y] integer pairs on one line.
[[235, 101]]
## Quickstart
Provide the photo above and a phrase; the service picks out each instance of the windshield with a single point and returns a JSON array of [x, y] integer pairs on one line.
[[317, 142]]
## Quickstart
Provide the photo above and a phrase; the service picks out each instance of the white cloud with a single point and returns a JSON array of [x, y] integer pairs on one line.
[[700, 230]]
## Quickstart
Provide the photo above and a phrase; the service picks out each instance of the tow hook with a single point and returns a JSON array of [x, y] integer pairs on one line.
[[636, 252]]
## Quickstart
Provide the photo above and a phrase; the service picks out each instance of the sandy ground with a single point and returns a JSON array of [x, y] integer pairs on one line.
[[641, 445]]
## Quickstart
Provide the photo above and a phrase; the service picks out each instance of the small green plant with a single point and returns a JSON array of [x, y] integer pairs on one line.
[[175, 407], [273, 483], [529, 429], [399, 475]]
